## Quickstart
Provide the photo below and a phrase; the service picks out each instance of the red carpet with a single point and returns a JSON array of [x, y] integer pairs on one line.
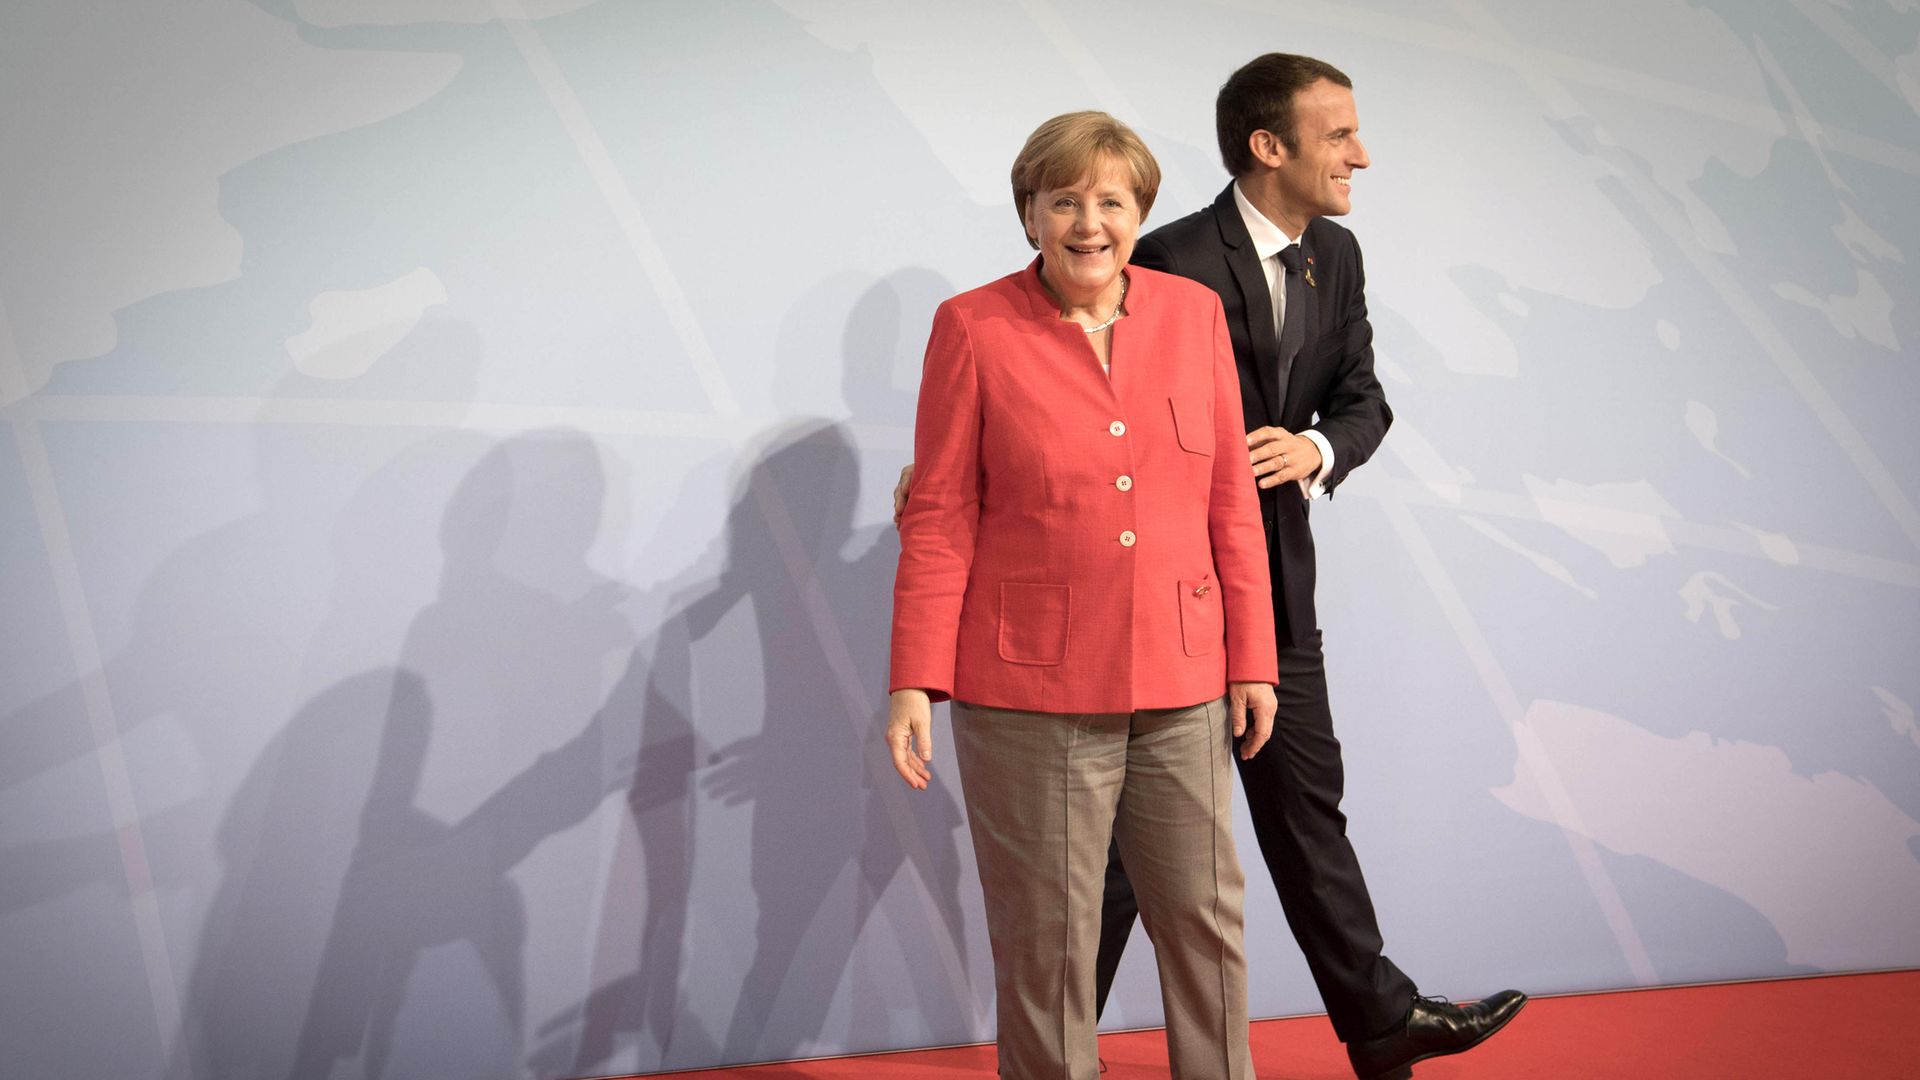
[[1857, 1027]]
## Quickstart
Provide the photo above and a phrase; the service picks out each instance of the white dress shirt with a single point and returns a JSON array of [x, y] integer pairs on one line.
[[1268, 242]]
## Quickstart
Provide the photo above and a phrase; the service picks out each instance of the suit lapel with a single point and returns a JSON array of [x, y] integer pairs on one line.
[[1256, 303]]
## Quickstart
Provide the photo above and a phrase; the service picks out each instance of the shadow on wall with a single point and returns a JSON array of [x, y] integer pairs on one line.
[[832, 827], [824, 814], [885, 336], [285, 837], [216, 630], [519, 629], [515, 636], [218, 641], [878, 330], [644, 1001], [375, 854]]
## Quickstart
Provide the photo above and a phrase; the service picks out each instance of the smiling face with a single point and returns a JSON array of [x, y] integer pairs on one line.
[[1085, 232], [1315, 180]]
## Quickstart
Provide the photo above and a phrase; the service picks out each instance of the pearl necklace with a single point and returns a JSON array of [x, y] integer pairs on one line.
[[1115, 317]]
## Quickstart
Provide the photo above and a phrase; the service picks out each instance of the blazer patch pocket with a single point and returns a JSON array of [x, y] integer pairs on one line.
[[1203, 623], [1193, 425], [1033, 622]]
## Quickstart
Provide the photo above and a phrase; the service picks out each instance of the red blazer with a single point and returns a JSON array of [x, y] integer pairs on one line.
[[1074, 543]]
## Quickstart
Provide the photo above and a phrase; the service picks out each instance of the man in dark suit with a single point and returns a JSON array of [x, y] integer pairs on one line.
[[1294, 293]]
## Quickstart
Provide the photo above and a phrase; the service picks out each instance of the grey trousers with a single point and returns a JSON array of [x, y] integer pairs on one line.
[[1045, 792]]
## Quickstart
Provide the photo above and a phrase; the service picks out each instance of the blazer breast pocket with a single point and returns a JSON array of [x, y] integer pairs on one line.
[[1034, 620], [1193, 425], [1202, 620]]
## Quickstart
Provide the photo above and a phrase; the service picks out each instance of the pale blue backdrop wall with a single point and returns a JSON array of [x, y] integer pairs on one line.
[[444, 544]]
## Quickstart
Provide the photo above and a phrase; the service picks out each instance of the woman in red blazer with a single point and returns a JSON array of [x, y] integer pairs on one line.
[[1082, 569]]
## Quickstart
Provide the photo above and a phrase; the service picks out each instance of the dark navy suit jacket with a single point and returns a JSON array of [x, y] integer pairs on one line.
[[1331, 387]]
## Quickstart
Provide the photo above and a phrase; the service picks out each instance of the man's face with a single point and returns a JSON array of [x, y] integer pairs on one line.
[[1315, 181]]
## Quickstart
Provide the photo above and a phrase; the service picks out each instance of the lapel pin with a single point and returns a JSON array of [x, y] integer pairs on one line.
[[1308, 274]]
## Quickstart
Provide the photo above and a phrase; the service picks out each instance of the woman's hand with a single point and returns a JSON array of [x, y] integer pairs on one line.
[[1242, 698], [900, 493], [910, 721]]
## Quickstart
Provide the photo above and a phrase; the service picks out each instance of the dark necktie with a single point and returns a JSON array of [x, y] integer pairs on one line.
[[1293, 326]]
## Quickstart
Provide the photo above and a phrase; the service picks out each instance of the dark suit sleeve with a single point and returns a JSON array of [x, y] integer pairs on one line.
[[1354, 415], [1151, 253]]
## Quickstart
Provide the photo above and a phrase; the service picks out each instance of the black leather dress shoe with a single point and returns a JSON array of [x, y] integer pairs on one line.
[[1434, 1027]]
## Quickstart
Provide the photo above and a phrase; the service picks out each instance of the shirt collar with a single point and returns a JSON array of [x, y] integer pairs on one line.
[[1268, 240]]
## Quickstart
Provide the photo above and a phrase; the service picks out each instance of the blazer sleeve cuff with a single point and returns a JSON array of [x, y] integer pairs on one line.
[[938, 685], [1254, 671]]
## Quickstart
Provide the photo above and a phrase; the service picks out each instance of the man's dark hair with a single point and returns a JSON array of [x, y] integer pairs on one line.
[[1259, 97]]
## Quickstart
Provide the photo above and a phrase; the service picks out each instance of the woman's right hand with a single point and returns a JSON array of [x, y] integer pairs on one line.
[[900, 493], [910, 736]]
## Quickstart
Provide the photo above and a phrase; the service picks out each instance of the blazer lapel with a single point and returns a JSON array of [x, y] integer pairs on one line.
[[1256, 303]]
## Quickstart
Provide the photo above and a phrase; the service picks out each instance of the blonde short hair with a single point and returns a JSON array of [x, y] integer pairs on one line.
[[1067, 148]]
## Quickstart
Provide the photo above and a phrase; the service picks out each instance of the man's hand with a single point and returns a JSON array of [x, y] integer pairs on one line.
[[910, 721], [1257, 698], [1279, 456], [900, 493]]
